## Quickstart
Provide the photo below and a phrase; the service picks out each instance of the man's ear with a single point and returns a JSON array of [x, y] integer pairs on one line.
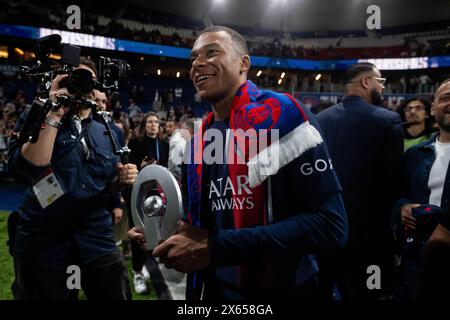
[[364, 83], [245, 63], [432, 108]]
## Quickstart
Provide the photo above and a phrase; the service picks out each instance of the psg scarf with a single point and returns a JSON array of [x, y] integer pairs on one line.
[[252, 151]]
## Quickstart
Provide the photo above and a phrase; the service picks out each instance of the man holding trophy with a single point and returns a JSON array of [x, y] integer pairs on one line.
[[255, 227]]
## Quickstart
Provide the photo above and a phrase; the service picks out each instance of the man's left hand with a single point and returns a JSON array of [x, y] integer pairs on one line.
[[117, 215], [185, 251], [127, 173]]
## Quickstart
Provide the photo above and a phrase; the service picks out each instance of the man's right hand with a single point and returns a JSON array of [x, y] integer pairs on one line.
[[55, 93], [406, 215]]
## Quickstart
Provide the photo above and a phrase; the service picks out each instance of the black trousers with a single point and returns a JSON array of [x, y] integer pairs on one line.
[[434, 280], [347, 269], [103, 279], [138, 257]]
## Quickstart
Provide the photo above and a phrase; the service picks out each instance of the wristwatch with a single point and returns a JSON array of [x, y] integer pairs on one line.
[[52, 122]]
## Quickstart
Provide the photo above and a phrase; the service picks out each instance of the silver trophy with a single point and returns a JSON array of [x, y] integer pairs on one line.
[[156, 204]]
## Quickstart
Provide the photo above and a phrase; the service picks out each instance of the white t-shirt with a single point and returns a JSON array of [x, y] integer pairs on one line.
[[438, 172], [177, 146]]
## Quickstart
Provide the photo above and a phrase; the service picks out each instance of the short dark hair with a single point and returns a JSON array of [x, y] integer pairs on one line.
[[429, 121], [444, 82], [355, 70], [425, 101], [236, 37], [88, 63]]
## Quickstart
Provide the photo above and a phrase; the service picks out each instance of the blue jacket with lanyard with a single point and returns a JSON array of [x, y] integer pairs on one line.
[[78, 218]]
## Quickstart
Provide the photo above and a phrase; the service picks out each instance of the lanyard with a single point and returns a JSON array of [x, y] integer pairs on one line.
[[157, 150]]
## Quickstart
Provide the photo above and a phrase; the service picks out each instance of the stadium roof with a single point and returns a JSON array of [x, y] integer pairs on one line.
[[304, 15]]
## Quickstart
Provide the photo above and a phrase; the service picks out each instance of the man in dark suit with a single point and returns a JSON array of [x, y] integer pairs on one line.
[[366, 147]]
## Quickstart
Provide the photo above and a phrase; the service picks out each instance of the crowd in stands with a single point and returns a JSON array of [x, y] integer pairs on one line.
[[143, 25], [420, 83], [129, 107]]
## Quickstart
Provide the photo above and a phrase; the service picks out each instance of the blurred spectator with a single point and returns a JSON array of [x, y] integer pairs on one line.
[[424, 83], [171, 125], [417, 120], [171, 116], [133, 109], [403, 84], [413, 83]]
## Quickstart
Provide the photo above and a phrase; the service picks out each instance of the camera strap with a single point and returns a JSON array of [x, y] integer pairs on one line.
[[82, 126], [81, 135]]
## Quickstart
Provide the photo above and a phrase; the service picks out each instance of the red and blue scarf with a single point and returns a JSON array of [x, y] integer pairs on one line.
[[259, 110]]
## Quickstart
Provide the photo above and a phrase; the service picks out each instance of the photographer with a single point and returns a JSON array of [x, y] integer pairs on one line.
[[425, 194], [63, 217]]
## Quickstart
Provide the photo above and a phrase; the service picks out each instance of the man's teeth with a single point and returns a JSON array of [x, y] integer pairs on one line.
[[203, 77]]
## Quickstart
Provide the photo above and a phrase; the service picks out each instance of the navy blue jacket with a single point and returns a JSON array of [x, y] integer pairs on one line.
[[45, 236], [366, 146], [277, 260], [418, 162]]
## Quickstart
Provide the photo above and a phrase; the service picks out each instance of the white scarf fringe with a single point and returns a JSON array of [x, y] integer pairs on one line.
[[267, 162]]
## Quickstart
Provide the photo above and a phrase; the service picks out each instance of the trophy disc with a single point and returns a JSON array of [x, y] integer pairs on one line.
[[156, 204]]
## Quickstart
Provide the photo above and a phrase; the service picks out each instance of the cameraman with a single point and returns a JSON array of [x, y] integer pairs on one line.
[[426, 193], [63, 217]]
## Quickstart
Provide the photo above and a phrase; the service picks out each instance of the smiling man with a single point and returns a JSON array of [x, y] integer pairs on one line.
[[252, 233], [426, 182]]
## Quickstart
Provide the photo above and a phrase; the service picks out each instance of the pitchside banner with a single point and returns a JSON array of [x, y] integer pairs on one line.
[[312, 99]]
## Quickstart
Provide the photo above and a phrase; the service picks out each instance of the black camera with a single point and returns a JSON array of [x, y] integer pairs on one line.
[[46, 67], [112, 72], [79, 81]]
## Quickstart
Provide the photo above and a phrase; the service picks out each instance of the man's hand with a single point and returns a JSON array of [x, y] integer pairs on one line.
[[117, 215], [406, 215], [186, 251], [137, 234], [147, 161], [127, 173], [55, 93]]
